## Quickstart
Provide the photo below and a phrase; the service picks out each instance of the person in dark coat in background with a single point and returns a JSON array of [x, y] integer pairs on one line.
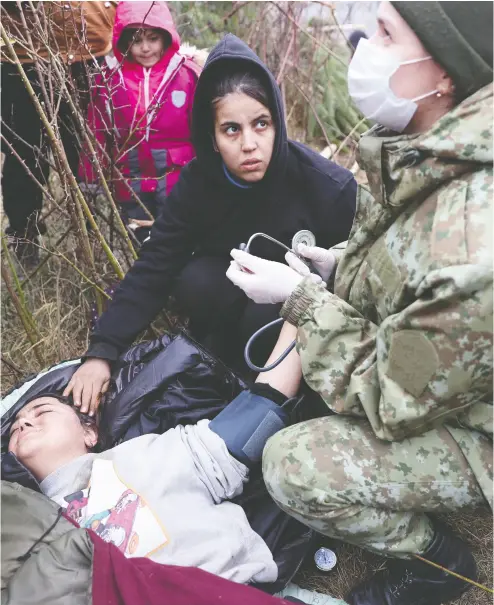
[[247, 177], [80, 32]]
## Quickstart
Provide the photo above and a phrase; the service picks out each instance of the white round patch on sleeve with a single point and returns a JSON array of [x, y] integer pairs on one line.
[[178, 98]]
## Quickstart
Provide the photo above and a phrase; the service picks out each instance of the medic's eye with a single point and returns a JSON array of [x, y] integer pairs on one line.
[[384, 32]]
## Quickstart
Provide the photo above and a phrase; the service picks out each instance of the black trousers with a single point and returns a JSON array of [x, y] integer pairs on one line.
[[22, 198], [222, 318]]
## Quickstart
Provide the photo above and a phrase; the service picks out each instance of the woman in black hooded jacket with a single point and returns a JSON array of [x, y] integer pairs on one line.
[[247, 178]]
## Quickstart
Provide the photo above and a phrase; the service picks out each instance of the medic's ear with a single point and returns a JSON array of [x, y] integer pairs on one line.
[[215, 147], [445, 87]]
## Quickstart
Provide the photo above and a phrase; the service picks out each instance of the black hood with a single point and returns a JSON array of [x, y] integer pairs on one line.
[[228, 51]]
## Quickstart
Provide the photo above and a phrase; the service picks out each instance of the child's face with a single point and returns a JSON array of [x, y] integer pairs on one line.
[[148, 47]]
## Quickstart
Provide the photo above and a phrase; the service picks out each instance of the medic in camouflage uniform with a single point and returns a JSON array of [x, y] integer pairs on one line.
[[402, 351]]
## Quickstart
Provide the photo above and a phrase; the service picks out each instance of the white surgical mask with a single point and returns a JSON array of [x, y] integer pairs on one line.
[[369, 74]]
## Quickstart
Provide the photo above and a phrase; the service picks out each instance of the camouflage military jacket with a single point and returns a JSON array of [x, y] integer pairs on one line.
[[406, 340]]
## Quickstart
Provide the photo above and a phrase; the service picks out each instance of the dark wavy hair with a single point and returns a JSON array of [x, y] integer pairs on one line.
[[84, 419]]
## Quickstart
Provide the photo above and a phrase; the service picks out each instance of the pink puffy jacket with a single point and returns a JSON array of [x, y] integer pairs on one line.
[[141, 116]]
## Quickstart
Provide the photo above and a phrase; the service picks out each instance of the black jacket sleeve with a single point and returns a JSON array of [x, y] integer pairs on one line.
[[346, 205], [143, 292], [337, 199], [330, 190]]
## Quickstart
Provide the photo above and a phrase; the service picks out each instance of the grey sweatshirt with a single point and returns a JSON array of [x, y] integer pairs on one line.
[[166, 497]]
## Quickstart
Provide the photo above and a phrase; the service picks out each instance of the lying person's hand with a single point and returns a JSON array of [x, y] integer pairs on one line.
[[323, 260], [89, 384], [264, 281]]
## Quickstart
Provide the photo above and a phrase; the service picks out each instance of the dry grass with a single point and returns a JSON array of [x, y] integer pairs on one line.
[[355, 565], [59, 301]]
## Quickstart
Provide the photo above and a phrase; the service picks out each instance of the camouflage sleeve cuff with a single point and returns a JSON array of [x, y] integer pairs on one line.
[[305, 294]]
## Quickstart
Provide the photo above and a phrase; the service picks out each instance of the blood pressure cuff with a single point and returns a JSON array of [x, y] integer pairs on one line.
[[249, 421]]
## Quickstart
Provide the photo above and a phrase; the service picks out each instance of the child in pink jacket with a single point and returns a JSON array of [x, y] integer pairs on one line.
[[141, 109]]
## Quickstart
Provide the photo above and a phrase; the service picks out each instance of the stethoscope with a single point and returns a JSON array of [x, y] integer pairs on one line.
[[305, 237], [301, 237]]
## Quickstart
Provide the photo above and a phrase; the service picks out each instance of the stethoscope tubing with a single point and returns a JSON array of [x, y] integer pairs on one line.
[[256, 335], [276, 322]]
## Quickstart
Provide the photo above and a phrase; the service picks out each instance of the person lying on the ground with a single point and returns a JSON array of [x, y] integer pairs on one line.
[[163, 496], [402, 351]]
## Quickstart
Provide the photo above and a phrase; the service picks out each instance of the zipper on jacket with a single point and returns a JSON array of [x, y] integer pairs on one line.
[[147, 74]]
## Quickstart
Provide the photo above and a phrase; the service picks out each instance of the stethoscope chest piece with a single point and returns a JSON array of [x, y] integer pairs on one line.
[[305, 237], [301, 237]]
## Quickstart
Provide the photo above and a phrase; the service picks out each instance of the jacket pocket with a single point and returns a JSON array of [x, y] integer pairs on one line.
[[448, 237], [180, 156], [381, 283], [168, 163]]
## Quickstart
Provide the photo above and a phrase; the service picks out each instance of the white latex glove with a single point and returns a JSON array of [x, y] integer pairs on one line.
[[323, 260], [264, 281]]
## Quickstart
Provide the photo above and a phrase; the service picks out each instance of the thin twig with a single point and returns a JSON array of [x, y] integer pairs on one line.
[[23, 313], [313, 109], [12, 366], [456, 575], [58, 150], [83, 275], [228, 15], [103, 182], [348, 136], [28, 171], [45, 260], [280, 75], [13, 272], [308, 34]]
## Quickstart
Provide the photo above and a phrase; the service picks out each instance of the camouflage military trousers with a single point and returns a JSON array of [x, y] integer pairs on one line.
[[335, 476]]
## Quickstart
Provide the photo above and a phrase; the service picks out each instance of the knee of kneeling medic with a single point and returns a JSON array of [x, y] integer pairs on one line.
[[247, 423], [273, 463]]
